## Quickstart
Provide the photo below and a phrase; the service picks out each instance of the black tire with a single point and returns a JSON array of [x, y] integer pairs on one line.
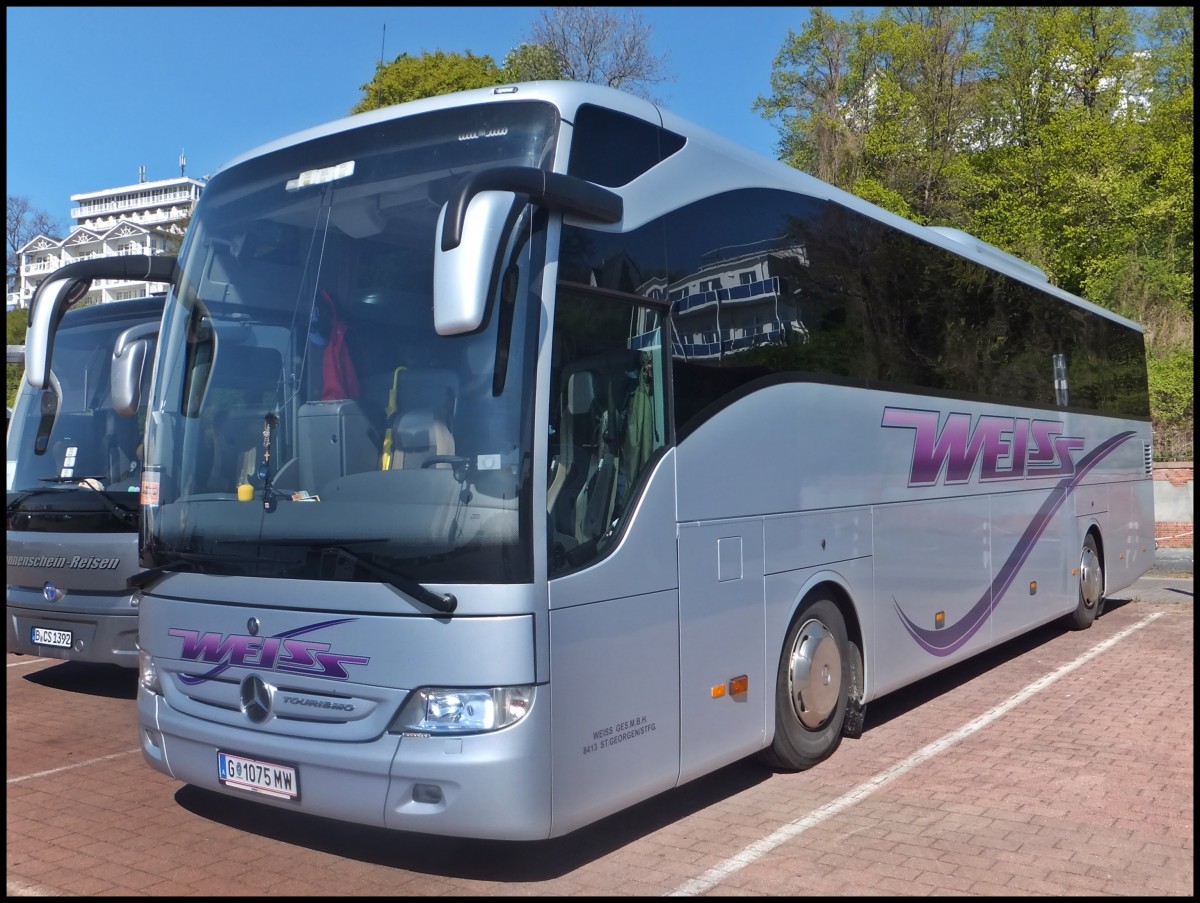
[[1091, 586], [812, 685]]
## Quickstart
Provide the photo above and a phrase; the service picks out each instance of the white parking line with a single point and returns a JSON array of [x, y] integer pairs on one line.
[[32, 661], [42, 774], [755, 851]]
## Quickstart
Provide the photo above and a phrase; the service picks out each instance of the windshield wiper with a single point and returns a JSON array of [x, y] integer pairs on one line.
[[26, 495], [178, 562], [129, 518], [438, 601]]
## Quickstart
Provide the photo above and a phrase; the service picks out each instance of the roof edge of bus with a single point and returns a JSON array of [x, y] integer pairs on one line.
[[981, 247], [545, 89]]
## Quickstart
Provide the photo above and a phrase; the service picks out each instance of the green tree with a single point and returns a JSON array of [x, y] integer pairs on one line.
[[924, 85], [587, 44], [533, 62], [1064, 135], [1161, 266], [818, 98], [1097, 54], [1170, 33], [428, 75], [1098, 188], [881, 106], [1023, 85], [1170, 177], [16, 322]]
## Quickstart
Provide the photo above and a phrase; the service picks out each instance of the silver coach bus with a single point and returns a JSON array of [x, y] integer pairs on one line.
[[519, 454], [73, 480]]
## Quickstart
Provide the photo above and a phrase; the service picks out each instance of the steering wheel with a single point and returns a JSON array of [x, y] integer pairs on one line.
[[458, 464]]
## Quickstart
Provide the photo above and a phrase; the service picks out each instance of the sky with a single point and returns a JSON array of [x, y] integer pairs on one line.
[[95, 93]]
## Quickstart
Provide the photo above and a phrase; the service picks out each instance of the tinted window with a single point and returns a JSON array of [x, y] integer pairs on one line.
[[764, 284], [612, 149], [607, 420]]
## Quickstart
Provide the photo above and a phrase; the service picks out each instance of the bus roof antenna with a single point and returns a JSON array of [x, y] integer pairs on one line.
[[379, 85]]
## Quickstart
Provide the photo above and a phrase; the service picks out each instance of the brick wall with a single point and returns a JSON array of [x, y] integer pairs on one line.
[[1179, 476], [1173, 534]]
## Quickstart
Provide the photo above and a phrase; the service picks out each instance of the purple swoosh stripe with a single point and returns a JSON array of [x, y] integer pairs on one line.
[[951, 638]]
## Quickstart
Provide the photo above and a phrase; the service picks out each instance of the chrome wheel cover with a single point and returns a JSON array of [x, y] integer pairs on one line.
[[1091, 578], [814, 675]]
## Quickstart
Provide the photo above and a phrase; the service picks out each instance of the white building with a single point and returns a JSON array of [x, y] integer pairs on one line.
[[146, 218]]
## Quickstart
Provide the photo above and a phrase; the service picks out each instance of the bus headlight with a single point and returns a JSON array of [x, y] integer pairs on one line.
[[148, 673], [456, 710]]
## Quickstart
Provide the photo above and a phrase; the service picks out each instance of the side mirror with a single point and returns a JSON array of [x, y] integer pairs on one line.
[[49, 303], [462, 275], [471, 233], [130, 353], [67, 285]]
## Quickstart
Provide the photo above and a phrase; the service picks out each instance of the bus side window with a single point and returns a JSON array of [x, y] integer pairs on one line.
[[609, 428], [575, 458], [640, 429], [600, 480], [607, 391]]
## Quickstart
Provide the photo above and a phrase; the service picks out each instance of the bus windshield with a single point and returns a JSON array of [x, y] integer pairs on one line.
[[308, 420], [62, 449]]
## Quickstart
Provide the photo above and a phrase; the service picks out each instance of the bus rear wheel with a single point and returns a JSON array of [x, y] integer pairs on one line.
[[811, 688], [1091, 586]]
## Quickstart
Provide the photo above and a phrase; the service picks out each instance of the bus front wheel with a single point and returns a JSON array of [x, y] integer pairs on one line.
[[1091, 586], [811, 688]]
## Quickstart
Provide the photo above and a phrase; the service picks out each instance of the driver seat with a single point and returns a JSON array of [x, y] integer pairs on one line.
[[419, 435], [425, 400]]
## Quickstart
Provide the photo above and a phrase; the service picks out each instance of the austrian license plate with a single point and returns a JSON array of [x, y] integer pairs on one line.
[[282, 781], [44, 636]]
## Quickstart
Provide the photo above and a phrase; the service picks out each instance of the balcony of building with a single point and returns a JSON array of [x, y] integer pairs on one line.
[[126, 204], [683, 301]]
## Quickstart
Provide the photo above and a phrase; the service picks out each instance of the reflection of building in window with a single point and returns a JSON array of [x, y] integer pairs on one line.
[[735, 301]]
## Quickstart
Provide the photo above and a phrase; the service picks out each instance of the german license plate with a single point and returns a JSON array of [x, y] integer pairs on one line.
[[280, 781], [44, 636]]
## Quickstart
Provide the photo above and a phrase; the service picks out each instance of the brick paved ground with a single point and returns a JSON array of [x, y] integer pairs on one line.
[[981, 781]]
